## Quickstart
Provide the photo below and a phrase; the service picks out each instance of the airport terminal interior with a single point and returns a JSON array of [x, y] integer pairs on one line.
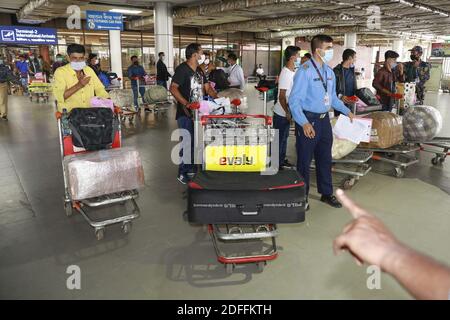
[[161, 254]]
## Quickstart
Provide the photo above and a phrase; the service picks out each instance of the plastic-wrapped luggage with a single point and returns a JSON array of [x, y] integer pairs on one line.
[[341, 147], [421, 123], [367, 96], [387, 130], [246, 198], [234, 93], [155, 94], [122, 97], [103, 172]]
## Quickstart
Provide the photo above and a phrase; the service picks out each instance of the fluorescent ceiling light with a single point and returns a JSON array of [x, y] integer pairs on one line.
[[126, 11]]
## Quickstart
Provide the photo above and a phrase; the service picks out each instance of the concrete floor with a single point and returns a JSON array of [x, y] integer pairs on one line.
[[165, 257]]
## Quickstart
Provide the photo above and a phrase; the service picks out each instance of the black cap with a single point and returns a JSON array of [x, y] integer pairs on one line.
[[419, 49]]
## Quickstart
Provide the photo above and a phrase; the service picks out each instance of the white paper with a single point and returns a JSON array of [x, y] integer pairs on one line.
[[357, 131]]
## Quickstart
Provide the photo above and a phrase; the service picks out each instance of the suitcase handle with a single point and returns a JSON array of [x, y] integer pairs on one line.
[[250, 213]]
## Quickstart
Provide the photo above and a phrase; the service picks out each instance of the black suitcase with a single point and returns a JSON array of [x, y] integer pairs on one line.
[[246, 198]]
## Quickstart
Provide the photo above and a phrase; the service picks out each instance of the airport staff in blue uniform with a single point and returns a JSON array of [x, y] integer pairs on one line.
[[312, 96]]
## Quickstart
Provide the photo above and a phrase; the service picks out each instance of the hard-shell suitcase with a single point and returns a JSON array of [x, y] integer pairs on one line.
[[246, 198]]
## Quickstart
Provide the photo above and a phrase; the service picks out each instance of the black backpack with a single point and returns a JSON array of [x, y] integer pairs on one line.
[[219, 77], [367, 96], [92, 128], [269, 84]]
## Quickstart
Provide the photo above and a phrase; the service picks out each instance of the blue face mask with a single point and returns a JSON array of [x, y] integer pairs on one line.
[[393, 65], [328, 55], [298, 63]]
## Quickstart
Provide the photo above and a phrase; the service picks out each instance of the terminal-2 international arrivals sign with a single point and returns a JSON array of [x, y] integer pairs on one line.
[[28, 35], [101, 20]]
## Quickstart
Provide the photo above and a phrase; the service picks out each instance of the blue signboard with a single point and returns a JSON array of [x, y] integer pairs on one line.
[[100, 20], [28, 35]]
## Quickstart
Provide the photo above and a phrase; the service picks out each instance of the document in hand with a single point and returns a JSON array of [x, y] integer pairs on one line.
[[357, 131]]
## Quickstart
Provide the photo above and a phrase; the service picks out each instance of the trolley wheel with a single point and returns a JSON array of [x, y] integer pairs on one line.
[[68, 208], [126, 227], [348, 184], [435, 160], [399, 172], [260, 265], [229, 267], [99, 233]]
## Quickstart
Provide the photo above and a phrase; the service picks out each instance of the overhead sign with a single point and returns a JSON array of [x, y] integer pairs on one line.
[[28, 35], [100, 20]]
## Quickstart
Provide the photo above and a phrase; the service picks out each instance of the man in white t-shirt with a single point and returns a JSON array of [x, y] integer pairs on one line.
[[281, 113]]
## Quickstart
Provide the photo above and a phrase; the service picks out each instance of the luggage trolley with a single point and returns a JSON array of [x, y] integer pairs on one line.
[[434, 145], [231, 128], [124, 99], [39, 88], [352, 167], [155, 106], [400, 156], [67, 148]]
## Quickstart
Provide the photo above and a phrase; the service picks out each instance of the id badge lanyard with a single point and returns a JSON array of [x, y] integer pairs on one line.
[[326, 99]]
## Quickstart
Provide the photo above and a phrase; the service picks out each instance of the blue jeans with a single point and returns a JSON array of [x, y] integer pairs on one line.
[[283, 125], [24, 83], [161, 83], [135, 94], [187, 124]]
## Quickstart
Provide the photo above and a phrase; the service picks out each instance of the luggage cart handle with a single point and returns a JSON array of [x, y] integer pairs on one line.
[[268, 119]]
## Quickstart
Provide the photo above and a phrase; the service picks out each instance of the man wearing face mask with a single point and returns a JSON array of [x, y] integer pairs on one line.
[[76, 83], [386, 77], [417, 71], [346, 78], [59, 62], [162, 74], [189, 85], [136, 73], [281, 114], [235, 72], [313, 95], [22, 71], [207, 66], [6, 77], [33, 65]]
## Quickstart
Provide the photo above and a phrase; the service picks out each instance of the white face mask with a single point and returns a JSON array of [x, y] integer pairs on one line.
[[77, 66], [206, 61], [163, 58], [202, 59]]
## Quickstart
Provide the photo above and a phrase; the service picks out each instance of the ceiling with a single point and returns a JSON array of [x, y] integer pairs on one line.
[[280, 18]]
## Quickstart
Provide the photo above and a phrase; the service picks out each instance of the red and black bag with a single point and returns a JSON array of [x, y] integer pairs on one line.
[[246, 198]]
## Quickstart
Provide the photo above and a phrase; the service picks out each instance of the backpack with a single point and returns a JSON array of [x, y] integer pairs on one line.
[[104, 79], [92, 128], [269, 84], [367, 97], [219, 77]]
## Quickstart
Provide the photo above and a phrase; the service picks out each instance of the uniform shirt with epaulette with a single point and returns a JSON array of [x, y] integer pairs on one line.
[[308, 92]]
